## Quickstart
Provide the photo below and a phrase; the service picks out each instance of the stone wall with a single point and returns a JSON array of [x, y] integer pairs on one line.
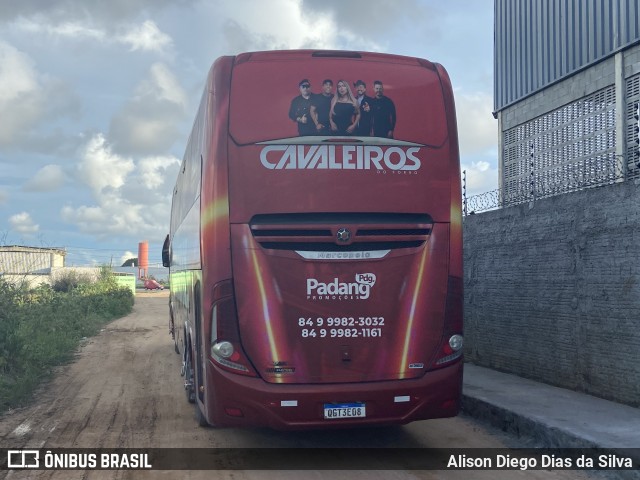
[[552, 291]]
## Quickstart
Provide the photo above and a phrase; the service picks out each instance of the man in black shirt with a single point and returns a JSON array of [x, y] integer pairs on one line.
[[300, 109], [320, 108], [365, 103], [384, 113]]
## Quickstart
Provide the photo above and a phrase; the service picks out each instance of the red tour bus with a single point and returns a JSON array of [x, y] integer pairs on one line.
[[315, 244]]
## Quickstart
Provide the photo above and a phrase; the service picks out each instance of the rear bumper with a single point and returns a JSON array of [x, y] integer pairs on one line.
[[294, 406]]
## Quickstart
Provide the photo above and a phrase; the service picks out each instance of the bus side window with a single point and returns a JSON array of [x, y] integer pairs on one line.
[[166, 255]]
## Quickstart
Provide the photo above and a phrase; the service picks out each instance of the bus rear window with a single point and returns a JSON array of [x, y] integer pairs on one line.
[[338, 98]]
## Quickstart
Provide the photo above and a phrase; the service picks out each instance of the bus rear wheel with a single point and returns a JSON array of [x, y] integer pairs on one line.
[[188, 377], [200, 418]]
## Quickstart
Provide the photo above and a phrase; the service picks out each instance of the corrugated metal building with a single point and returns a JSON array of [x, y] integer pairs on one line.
[[19, 260], [567, 82], [29, 265]]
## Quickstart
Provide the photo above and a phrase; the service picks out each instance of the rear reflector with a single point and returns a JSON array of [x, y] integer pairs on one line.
[[233, 412]]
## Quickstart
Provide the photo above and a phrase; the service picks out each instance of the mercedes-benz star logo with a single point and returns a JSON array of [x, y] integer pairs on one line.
[[343, 235]]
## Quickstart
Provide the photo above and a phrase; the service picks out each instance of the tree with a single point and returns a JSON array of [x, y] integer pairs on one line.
[[132, 262]]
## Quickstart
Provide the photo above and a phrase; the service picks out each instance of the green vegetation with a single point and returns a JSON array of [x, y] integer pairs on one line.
[[41, 328]]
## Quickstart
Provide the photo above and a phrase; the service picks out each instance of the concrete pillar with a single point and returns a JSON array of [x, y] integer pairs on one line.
[[621, 118]]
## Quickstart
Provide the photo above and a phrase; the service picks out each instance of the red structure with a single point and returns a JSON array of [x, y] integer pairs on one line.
[[143, 259]]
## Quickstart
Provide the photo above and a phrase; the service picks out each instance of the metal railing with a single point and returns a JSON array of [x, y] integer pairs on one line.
[[549, 183]]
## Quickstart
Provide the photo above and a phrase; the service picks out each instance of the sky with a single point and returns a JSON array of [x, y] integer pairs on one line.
[[97, 100]]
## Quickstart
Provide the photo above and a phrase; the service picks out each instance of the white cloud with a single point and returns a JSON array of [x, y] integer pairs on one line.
[[132, 197], [146, 37], [100, 168], [23, 223], [106, 13], [477, 129], [126, 256], [279, 24], [364, 21], [164, 85], [84, 215], [148, 123], [114, 216], [118, 217], [153, 170], [28, 98], [67, 29], [20, 93], [477, 136], [47, 179], [481, 177], [76, 30], [17, 74]]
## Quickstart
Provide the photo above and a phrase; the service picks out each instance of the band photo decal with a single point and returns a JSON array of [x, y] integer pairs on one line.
[[343, 111], [357, 118]]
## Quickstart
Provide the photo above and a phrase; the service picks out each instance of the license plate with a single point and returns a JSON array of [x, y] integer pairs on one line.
[[334, 411]]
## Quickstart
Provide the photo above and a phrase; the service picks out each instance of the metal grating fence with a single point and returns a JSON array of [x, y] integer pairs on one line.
[[632, 101]]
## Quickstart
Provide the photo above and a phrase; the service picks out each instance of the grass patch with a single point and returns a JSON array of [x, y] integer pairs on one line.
[[41, 328]]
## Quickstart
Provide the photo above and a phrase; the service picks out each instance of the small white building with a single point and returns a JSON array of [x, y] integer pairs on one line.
[[32, 265]]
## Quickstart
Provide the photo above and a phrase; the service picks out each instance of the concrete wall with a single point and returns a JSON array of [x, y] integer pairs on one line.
[[29, 280], [552, 291]]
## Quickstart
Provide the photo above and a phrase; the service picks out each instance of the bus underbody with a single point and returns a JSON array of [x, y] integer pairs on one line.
[[250, 402]]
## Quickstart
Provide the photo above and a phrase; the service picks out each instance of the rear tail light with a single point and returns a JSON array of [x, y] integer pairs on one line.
[[226, 350], [223, 349], [450, 349]]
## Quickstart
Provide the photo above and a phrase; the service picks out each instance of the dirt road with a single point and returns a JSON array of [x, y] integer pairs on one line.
[[124, 391]]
